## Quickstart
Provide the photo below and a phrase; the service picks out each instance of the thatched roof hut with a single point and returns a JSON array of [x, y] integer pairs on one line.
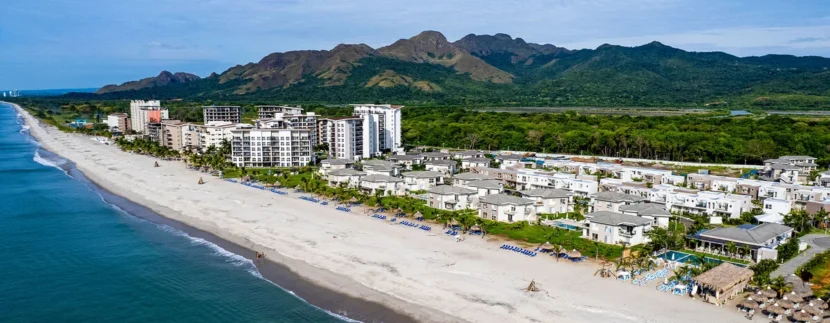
[[794, 298], [819, 303], [574, 254], [723, 281]]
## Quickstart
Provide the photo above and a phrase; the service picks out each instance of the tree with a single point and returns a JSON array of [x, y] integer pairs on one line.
[[788, 250], [780, 285], [762, 271], [731, 248]]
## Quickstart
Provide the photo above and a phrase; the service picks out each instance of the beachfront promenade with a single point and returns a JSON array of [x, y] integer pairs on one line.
[[422, 273]]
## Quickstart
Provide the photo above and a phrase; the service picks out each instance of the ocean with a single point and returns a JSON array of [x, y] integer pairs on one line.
[[69, 252]]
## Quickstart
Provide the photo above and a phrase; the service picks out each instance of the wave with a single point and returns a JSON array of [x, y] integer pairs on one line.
[[56, 162], [24, 128]]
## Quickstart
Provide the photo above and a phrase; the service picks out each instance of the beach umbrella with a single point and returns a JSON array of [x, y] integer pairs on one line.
[[804, 292], [418, 214], [475, 227], [353, 199], [802, 316], [747, 303], [812, 310], [794, 298], [546, 246], [769, 293], [775, 309], [156, 164], [398, 211], [201, 181], [819, 303], [785, 303], [574, 254]]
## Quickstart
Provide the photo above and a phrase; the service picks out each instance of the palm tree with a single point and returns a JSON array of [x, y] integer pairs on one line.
[[731, 248], [557, 249], [780, 285]]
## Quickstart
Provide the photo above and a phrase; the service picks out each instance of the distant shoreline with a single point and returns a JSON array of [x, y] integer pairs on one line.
[[273, 270]]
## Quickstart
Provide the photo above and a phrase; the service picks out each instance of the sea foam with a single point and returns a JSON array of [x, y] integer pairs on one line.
[[56, 162]]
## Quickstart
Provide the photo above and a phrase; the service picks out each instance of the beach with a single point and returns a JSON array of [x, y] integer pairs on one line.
[[426, 276]]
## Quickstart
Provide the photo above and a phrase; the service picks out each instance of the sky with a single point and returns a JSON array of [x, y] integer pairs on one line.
[[48, 44]]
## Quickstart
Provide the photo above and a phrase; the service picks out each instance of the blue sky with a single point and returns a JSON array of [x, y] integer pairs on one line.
[[90, 43]]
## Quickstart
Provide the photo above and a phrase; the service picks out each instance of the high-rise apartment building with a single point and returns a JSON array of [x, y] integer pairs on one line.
[[381, 127], [271, 144], [143, 112], [232, 114], [344, 137]]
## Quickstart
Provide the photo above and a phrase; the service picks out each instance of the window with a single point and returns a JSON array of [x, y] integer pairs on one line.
[[608, 205], [768, 206]]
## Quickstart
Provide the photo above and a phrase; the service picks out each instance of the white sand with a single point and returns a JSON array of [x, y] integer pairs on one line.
[[425, 275]]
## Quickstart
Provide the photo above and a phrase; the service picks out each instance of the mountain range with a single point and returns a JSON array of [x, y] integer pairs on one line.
[[502, 70]]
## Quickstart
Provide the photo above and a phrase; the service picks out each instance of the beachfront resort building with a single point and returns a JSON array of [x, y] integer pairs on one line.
[[328, 165], [119, 122], [485, 187], [552, 201], [270, 111], [506, 208], [266, 144], [344, 137], [214, 133], [143, 112], [444, 166], [420, 181], [347, 178], [172, 134], [380, 167], [381, 127], [383, 185], [612, 201], [655, 212], [451, 198], [232, 114], [463, 178], [710, 203], [762, 239], [616, 228]]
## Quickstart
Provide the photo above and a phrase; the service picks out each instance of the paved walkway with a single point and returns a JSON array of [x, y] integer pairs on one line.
[[817, 242]]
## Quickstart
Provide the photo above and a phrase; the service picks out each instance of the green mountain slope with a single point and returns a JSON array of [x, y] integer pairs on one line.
[[501, 70]]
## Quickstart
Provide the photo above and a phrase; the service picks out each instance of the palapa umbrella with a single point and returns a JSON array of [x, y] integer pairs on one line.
[[398, 211], [156, 164], [775, 309], [475, 227], [795, 298], [546, 246], [802, 316], [812, 310], [748, 304], [804, 292], [418, 214], [353, 200], [574, 254], [819, 303], [453, 222], [769, 293], [827, 320], [785, 303]]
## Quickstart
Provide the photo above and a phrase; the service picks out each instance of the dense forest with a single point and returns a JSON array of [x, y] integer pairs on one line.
[[735, 140], [706, 138]]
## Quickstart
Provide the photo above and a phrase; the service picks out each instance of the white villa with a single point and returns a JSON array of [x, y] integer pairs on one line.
[[616, 228], [370, 184], [655, 212], [506, 208], [407, 161], [446, 167], [331, 164], [418, 181], [381, 167], [463, 178], [611, 201], [435, 156], [467, 154], [347, 177], [486, 187], [467, 163], [508, 161], [550, 200], [446, 197]]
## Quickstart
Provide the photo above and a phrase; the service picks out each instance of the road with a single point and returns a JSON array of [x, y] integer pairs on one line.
[[817, 242]]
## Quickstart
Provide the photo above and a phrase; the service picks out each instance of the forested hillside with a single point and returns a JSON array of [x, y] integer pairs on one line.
[[483, 70]]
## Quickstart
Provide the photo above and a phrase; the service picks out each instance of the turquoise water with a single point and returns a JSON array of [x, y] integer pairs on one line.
[[691, 259], [68, 256]]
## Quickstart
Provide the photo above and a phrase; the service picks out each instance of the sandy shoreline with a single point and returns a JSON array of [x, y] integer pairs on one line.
[[424, 275]]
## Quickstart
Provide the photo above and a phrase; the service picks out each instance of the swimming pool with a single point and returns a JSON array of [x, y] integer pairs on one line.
[[688, 258], [568, 226]]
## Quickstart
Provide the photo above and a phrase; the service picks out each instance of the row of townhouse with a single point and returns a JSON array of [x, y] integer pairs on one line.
[[525, 179]]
